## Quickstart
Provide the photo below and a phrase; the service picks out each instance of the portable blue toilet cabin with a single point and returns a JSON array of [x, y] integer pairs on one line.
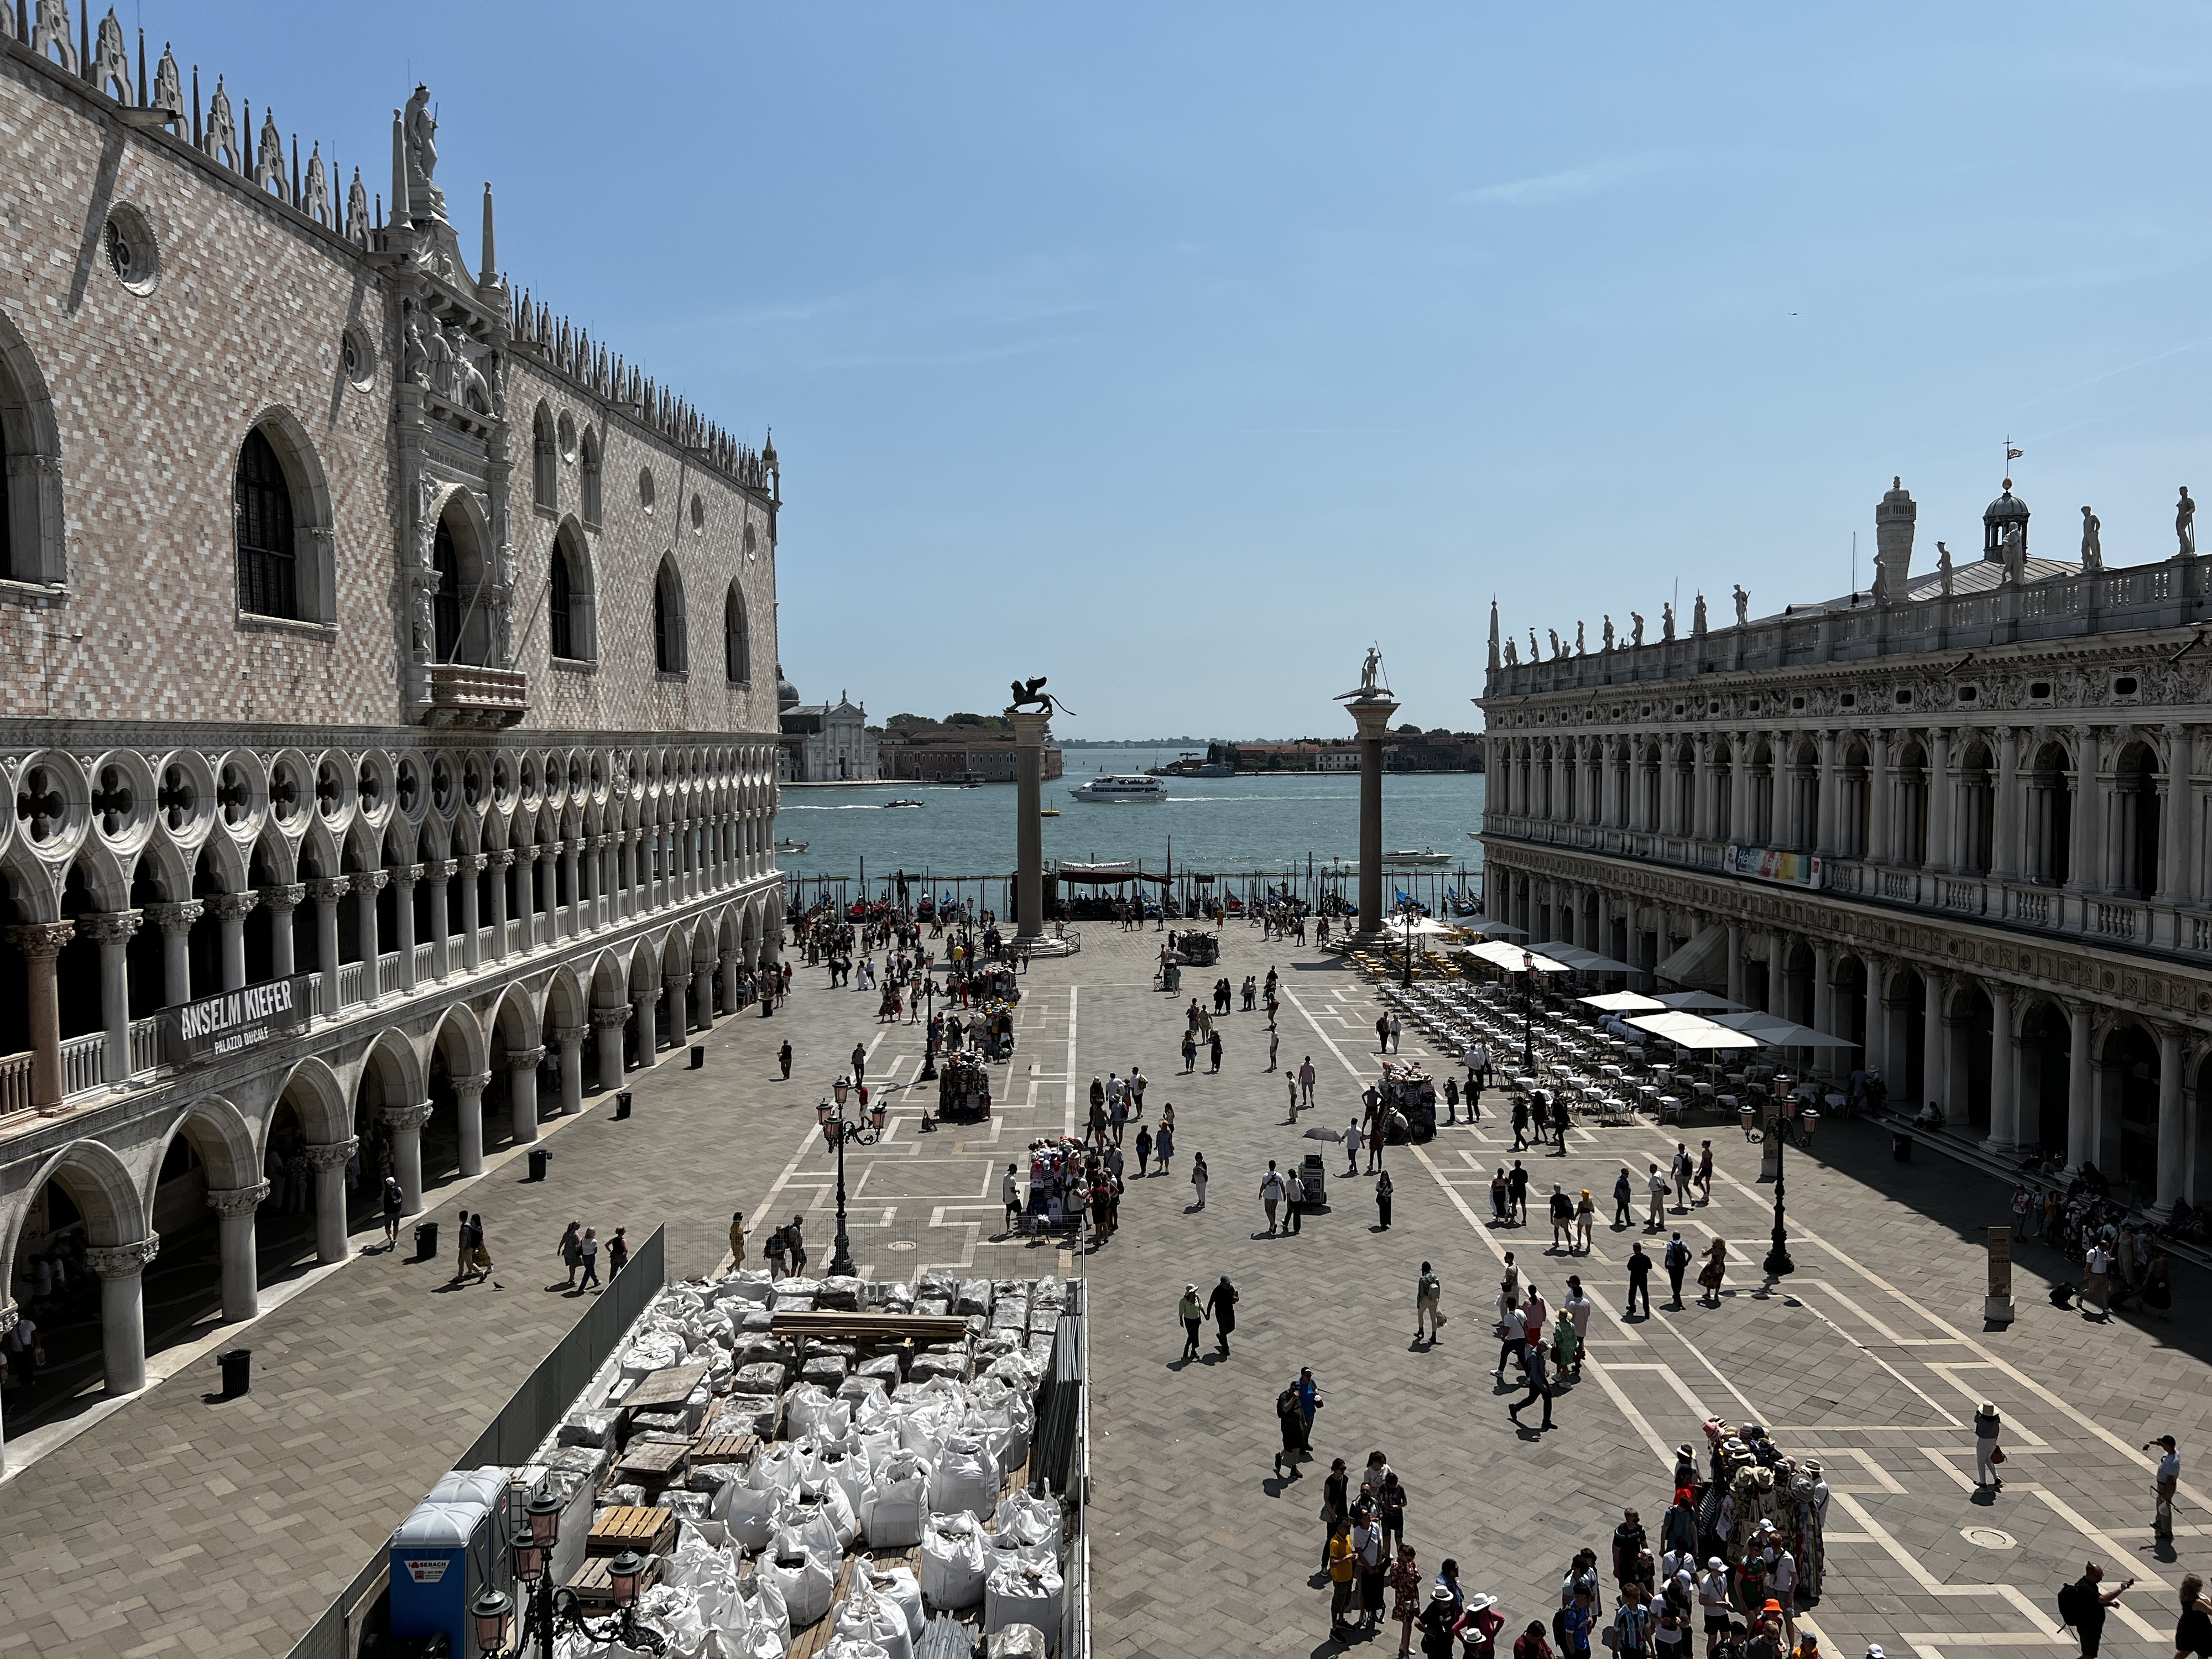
[[440, 1562]]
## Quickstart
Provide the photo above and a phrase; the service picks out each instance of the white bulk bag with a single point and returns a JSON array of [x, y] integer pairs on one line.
[[804, 1580], [831, 1509], [1032, 1519], [775, 1468], [965, 1478], [865, 1617], [952, 1561], [848, 1471], [753, 1516], [748, 1284], [674, 1612], [771, 1616], [841, 1649], [1022, 1592], [692, 1562], [901, 1589], [812, 1412], [1020, 1641], [898, 1503]]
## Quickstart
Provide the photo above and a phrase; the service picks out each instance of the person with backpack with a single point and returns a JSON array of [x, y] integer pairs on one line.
[[1428, 1305], [2192, 1636], [1294, 1202], [1288, 1416], [1563, 1220], [1271, 1194], [1677, 1262], [2082, 1605]]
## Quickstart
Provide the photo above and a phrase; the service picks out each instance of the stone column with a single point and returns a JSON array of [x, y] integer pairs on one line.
[[438, 872], [8, 1319], [123, 1310], [231, 910], [1935, 1042], [733, 963], [1942, 788], [1825, 814], [1372, 714], [2004, 1070], [233, 1208], [522, 1089], [327, 891], [281, 902], [603, 879], [1824, 992], [702, 997], [468, 1098], [406, 1123], [329, 1162], [111, 931], [501, 860], [1777, 974], [42, 942], [405, 876], [1735, 961], [1701, 791], [2176, 824], [2006, 809], [2081, 1109], [678, 983], [568, 1045], [2086, 857], [2172, 1127], [469, 866], [175, 922], [609, 1023], [1028, 827], [648, 1029], [571, 851], [549, 890], [1879, 828], [366, 886]]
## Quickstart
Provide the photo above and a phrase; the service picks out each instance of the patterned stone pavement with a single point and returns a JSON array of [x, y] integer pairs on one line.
[[179, 1525]]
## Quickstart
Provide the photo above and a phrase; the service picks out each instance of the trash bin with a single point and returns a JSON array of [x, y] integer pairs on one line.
[[622, 1102], [426, 1241], [237, 1372], [539, 1157], [698, 1056], [1900, 1146]]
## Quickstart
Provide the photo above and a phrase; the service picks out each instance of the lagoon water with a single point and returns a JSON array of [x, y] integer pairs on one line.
[[1258, 822]]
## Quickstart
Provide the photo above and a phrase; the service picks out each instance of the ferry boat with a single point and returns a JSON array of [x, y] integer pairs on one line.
[[1426, 856], [787, 845], [890, 804], [1127, 787]]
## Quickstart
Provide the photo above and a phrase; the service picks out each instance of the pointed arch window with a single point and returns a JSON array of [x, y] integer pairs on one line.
[[545, 478], [560, 604], [737, 640], [268, 578], [592, 477], [669, 655], [446, 604]]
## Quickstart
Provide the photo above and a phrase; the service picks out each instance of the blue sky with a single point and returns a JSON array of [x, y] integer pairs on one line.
[[1179, 352]]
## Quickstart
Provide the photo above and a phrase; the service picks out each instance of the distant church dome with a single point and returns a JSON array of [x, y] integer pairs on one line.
[[1999, 518], [786, 694]]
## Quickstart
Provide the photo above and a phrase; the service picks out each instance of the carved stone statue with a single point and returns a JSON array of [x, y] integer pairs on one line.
[[2092, 544], [1556, 652], [1512, 657], [1032, 694], [470, 389], [441, 344], [315, 194], [168, 86], [1943, 569], [1535, 652], [1698, 617], [1608, 633], [1742, 606], [1636, 627], [425, 201], [2185, 524], [356, 219], [494, 377], [269, 165], [2014, 548], [1368, 670], [1667, 621], [110, 61], [414, 357], [1580, 649], [52, 29], [222, 128]]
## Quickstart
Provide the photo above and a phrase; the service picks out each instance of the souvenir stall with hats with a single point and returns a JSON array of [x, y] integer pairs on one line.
[[963, 1087], [1409, 1096], [1057, 1190], [1756, 1503]]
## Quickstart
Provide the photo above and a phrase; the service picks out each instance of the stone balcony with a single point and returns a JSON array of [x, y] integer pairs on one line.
[[465, 696]]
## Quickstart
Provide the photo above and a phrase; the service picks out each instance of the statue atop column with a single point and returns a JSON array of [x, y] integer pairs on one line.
[[2092, 544], [425, 202], [1609, 631]]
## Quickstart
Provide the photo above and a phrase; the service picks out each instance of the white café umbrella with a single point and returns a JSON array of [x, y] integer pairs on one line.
[[1583, 961], [1622, 1002], [1689, 1031], [1778, 1033], [1499, 954], [1700, 1002]]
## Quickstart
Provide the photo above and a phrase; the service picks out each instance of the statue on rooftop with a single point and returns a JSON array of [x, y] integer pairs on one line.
[[1698, 617], [2185, 524], [1556, 652], [1666, 621], [425, 201], [2093, 542], [1512, 656], [1742, 606], [1636, 627], [1608, 632], [2013, 550], [1581, 650], [1943, 569]]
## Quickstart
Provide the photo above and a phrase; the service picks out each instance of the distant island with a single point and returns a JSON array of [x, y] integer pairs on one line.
[[1409, 749]]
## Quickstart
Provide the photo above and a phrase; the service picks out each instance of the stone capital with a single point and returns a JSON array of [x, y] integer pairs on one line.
[[566, 1037], [500, 857], [283, 899], [472, 1086], [177, 918], [333, 1155], [371, 881], [407, 1120], [406, 875], [110, 926], [471, 864], [41, 941], [9, 1315], [232, 906], [609, 1019], [442, 870], [123, 1260], [525, 1060], [329, 890], [237, 1201]]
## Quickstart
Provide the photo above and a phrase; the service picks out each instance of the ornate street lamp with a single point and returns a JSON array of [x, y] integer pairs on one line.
[[1778, 1260], [838, 1129]]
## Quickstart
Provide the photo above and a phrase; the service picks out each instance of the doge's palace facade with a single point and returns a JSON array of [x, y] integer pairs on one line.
[[390, 718]]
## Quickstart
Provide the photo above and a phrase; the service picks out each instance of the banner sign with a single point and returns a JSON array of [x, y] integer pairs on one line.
[[231, 1022], [1771, 864]]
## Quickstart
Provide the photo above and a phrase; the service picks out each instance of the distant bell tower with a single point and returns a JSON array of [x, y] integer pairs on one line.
[[1893, 518], [1998, 519]]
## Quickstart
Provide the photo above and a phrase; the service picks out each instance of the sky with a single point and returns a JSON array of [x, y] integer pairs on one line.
[[1180, 353]]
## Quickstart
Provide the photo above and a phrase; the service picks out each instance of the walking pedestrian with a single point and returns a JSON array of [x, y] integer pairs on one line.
[[795, 1239], [1713, 1601], [1986, 1427], [395, 1201], [1520, 1123], [1405, 1596], [1274, 1043], [1562, 1119], [2099, 1285], [1197, 1163], [1714, 1272], [1289, 1420], [1010, 1195], [617, 1253], [1342, 1559], [2084, 1605], [1639, 1280], [1655, 1219], [1222, 1304], [1271, 1194], [1395, 1030], [1382, 1033], [1163, 1150], [463, 1249], [1144, 1148], [1382, 1191], [1213, 1048], [1585, 1221], [1190, 1311], [1354, 1138], [1577, 1307], [1309, 1401], [1293, 1082], [1677, 1263], [783, 1059], [1294, 1200], [1512, 1338], [1428, 1305], [1390, 1510], [1683, 1169], [1517, 1190], [1533, 1371], [1377, 1134], [1563, 1221], [2164, 1485], [1623, 1197], [1190, 1050], [479, 1251], [1705, 1170], [570, 1250], [1306, 1079], [2192, 1636], [737, 1239]]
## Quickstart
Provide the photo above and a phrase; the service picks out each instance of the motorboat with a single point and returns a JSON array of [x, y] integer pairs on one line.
[[890, 804], [790, 846], [1425, 855], [1126, 787]]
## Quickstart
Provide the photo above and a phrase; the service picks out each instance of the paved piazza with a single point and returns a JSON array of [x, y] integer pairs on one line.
[[175, 1525]]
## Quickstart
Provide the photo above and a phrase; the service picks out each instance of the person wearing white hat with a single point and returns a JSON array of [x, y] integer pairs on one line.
[[1713, 1600], [1986, 1424], [1875, 1651]]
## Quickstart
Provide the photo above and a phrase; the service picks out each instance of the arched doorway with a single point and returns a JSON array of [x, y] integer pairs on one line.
[[1973, 1039], [2046, 1050], [2131, 1066], [93, 1336]]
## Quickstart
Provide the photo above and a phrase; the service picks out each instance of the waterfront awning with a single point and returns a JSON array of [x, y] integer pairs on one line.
[[1623, 1002], [1690, 1031], [1499, 954]]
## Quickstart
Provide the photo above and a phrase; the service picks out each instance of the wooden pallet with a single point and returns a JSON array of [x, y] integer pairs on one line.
[[595, 1586], [663, 1389], [648, 1530], [712, 1449], [655, 1463]]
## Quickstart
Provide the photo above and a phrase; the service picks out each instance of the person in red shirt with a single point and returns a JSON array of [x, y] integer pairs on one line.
[[1530, 1644]]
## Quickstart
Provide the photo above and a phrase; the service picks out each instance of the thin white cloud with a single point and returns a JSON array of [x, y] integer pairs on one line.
[[1571, 184]]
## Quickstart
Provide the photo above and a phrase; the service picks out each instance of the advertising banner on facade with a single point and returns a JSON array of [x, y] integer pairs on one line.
[[1771, 864], [230, 1022]]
